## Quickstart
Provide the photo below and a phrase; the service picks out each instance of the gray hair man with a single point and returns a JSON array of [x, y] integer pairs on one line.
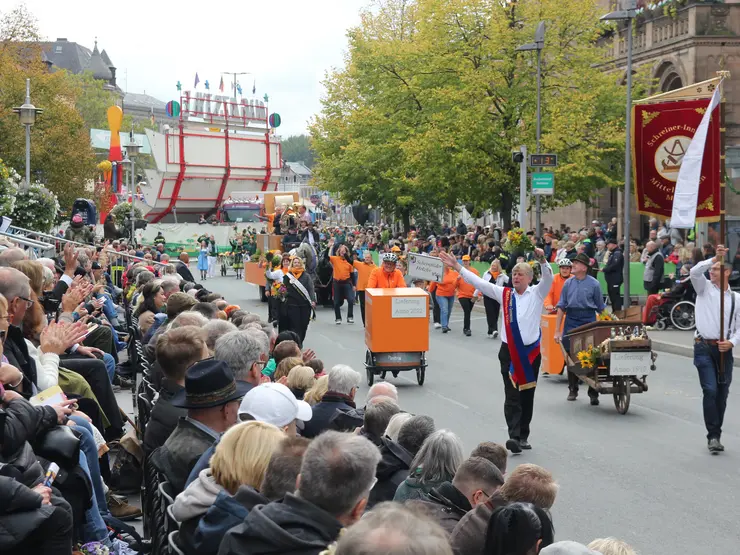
[[385, 389], [13, 254], [16, 288], [522, 307], [393, 529], [343, 384], [337, 474], [215, 329], [245, 351], [377, 416]]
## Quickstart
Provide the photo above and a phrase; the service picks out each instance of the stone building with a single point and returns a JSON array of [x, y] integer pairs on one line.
[[682, 42]]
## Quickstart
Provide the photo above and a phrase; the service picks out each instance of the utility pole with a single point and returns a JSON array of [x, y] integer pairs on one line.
[[523, 186]]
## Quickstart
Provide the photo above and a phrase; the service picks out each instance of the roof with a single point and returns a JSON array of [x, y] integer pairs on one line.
[[98, 67], [67, 55], [106, 59], [143, 101], [299, 168]]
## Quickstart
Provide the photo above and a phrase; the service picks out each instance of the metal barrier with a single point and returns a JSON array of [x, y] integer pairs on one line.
[[37, 247], [15, 232]]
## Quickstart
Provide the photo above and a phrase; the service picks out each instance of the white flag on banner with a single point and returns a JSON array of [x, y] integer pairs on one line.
[[686, 196]]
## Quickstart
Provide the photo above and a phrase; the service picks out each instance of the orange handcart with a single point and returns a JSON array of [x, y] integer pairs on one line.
[[396, 332]]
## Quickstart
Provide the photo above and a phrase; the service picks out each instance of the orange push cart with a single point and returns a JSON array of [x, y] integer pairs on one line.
[[396, 332]]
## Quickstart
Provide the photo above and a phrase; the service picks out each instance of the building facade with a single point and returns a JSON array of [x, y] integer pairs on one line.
[[680, 43]]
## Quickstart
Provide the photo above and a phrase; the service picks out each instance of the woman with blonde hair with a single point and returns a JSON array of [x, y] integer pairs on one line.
[[611, 546], [286, 365], [314, 395], [300, 380], [235, 475]]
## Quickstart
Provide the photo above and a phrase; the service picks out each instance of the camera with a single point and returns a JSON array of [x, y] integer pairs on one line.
[[49, 304]]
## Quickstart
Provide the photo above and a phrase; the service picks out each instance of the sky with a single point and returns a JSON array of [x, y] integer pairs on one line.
[[287, 45]]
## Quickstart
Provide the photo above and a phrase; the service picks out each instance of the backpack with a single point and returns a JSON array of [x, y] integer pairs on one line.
[[127, 472]]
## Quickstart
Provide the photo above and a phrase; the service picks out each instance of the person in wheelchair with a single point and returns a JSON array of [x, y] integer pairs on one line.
[[662, 303]]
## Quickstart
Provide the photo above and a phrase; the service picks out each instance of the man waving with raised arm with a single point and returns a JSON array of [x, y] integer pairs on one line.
[[520, 339]]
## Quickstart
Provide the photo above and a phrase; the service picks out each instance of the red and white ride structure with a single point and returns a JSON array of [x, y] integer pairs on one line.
[[220, 145]]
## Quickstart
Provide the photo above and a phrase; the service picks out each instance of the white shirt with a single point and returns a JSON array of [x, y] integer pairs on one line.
[[529, 304], [707, 306]]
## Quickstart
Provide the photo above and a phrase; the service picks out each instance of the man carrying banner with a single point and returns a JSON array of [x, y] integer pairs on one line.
[[520, 339], [714, 377]]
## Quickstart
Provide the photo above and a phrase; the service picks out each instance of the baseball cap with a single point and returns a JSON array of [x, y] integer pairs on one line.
[[466, 257], [275, 404], [567, 548]]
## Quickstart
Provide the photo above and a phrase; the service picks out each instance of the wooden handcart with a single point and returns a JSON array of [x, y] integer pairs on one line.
[[622, 358]]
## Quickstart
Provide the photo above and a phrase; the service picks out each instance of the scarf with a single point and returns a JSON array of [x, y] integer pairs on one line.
[[521, 371], [297, 273]]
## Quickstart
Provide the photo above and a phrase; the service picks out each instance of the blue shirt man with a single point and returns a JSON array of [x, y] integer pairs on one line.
[[580, 301]]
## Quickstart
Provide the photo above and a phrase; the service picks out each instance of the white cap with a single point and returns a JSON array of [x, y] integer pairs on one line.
[[275, 404]]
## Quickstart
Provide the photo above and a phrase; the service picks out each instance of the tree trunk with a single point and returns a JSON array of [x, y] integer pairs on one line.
[[506, 205], [406, 217]]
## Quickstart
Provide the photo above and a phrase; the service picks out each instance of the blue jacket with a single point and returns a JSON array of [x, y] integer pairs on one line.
[[226, 512], [324, 411]]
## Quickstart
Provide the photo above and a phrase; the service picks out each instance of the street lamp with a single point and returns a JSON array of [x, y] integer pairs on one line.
[[132, 151], [27, 115], [627, 15], [537, 45]]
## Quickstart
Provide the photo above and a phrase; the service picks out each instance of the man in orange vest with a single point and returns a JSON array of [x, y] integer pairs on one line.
[[551, 301], [364, 269], [387, 276]]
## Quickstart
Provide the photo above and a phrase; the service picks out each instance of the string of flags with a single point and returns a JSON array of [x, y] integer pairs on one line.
[[221, 85]]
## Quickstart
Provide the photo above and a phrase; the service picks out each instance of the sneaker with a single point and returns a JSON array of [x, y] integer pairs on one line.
[[514, 446], [495, 334], [338, 321], [120, 547], [467, 333], [714, 445], [489, 335], [437, 325], [445, 330], [594, 401], [524, 444], [572, 396], [350, 320], [125, 383], [121, 510], [721, 447]]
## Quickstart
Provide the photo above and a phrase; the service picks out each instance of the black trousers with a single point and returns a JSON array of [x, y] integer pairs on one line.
[[493, 308], [53, 536], [361, 296], [273, 309], [518, 405], [295, 318], [435, 309], [614, 297], [467, 306], [94, 372]]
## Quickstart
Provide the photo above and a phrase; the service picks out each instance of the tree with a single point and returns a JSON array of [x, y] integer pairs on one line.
[[434, 97], [61, 155], [297, 148]]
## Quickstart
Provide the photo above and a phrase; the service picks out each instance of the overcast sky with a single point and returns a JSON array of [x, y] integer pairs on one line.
[[287, 45]]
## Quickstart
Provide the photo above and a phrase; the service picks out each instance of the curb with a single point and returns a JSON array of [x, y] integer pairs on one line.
[[681, 350]]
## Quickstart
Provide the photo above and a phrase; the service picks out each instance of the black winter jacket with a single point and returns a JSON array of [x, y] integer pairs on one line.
[[393, 469], [23, 422]]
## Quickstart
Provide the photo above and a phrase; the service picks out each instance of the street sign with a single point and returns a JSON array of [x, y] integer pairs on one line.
[[543, 160], [543, 183], [425, 267]]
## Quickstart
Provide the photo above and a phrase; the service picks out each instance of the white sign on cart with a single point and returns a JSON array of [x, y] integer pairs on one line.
[[425, 267]]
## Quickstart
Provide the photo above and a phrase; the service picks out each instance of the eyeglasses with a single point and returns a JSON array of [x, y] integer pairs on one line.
[[29, 302], [372, 484], [262, 363]]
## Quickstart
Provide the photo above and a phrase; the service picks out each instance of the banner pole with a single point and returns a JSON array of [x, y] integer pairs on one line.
[[722, 230]]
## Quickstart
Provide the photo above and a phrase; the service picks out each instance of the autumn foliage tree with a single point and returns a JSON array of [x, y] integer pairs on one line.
[[61, 155], [434, 97]]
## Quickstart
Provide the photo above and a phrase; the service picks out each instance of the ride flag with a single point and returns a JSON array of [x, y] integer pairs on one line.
[[662, 133]]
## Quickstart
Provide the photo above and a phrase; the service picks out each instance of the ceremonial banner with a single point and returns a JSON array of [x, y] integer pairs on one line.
[[661, 136]]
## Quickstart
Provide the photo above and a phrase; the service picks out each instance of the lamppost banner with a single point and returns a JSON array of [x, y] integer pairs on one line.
[[661, 135]]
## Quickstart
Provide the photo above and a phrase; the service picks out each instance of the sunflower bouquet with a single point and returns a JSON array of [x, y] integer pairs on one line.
[[589, 357], [605, 316], [518, 241]]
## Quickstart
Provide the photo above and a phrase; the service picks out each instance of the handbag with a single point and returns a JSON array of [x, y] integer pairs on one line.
[[127, 472], [60, 445]]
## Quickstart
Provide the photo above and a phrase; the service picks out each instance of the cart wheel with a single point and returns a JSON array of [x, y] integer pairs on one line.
[[368, 368], [660, 324], [683, 316], [420, 375], [622, 394]]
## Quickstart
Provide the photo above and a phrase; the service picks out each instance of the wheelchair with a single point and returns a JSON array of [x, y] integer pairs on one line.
[[675, 308]]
